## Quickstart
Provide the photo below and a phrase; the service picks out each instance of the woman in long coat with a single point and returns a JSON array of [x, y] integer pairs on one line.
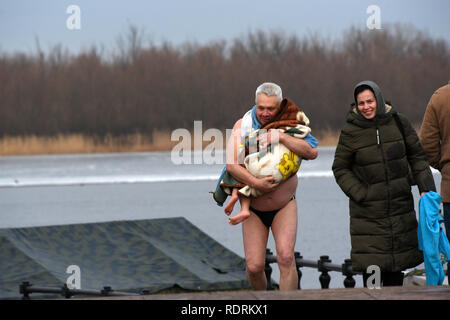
[[377, 158]]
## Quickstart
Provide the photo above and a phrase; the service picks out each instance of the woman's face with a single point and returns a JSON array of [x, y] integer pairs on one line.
[[367, 104]]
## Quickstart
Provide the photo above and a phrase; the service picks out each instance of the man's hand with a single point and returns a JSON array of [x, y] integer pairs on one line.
[[272, 136], [266, 184]]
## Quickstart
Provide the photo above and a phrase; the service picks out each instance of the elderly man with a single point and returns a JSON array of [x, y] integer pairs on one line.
[[276, 209]]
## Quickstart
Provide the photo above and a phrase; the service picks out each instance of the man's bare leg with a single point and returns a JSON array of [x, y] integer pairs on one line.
[[255, 235], [284, 230], [245, 211]]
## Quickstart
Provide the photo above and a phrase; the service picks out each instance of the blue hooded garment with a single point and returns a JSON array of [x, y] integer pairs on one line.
[[431, 237], [255, 125]]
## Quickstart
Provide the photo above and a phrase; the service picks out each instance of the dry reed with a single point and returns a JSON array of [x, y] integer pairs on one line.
[[79, 143]]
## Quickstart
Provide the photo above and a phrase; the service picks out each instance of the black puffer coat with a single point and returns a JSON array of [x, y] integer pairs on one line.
[[371, 167]]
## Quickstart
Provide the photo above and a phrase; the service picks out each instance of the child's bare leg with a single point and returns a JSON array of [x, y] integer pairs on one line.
[[234, 197], [245, 211]]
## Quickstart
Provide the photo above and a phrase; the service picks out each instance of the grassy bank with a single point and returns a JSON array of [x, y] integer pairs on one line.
[[78, 143]]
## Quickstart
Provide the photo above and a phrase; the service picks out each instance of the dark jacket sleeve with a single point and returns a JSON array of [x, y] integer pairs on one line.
[[342, 170], [417, 158], [429, 136]]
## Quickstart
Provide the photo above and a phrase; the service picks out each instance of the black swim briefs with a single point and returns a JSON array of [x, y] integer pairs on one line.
[[267, 216]]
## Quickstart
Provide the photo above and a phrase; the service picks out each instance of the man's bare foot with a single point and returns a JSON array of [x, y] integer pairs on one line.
[[230, 206], [241, 216]]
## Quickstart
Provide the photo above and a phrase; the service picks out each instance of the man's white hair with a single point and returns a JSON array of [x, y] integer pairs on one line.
[[269, 89]]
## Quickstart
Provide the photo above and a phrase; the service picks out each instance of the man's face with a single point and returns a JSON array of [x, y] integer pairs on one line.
[[266, 108], [367, 104]]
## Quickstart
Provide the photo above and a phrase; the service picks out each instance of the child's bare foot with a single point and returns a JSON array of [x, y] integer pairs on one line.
[[230, 206], [241, 216]]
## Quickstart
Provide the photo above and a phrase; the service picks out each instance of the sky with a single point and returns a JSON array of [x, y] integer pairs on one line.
[[24, 23]]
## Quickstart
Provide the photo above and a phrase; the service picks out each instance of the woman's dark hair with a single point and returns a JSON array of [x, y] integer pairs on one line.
[[361, 88]]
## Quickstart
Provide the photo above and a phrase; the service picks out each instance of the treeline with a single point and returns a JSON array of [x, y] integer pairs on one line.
[[139, 88]]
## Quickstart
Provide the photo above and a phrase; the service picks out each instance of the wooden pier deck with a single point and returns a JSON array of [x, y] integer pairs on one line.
[[385, 293]]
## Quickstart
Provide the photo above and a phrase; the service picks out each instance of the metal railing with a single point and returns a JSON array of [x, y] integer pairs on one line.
[[27, 288], [323, 265]]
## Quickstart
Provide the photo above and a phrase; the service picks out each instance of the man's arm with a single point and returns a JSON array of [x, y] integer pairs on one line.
[[430, 137], [299, 146], [239, 172]]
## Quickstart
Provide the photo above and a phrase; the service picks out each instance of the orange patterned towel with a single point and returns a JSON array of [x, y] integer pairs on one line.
[[288, 116]]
